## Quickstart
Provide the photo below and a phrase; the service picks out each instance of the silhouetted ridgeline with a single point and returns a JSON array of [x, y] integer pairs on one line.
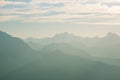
[[108, 46], [63, 57]]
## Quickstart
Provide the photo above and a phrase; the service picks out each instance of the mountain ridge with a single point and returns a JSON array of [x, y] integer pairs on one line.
[[19, 62]]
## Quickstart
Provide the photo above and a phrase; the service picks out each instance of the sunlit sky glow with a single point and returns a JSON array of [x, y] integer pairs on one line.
[[41, 18]]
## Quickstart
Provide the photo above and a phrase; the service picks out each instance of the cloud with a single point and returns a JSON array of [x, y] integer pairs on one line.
[[77, 11], [7, 18], [7, 2]]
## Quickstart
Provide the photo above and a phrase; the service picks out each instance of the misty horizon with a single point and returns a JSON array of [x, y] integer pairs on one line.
[[70, 33], [59, 39]]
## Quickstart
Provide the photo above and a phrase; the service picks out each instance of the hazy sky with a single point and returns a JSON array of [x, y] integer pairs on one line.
[[41, 18]]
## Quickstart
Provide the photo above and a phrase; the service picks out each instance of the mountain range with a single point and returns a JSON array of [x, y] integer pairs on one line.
[[62, 57], [107, 46]]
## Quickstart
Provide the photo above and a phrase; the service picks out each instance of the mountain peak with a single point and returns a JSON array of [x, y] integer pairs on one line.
[[110, 34], [65, 35]]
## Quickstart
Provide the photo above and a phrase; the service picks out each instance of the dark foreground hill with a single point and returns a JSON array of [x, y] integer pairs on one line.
[[19, 62], [14, 53]]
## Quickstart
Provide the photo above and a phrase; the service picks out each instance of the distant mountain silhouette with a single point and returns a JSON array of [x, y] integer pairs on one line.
[[107, 46], [58, 38], [111, 35], [66, 49], [69, 38]]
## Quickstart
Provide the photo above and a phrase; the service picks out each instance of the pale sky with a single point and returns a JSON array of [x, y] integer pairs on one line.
[[42, 18]]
